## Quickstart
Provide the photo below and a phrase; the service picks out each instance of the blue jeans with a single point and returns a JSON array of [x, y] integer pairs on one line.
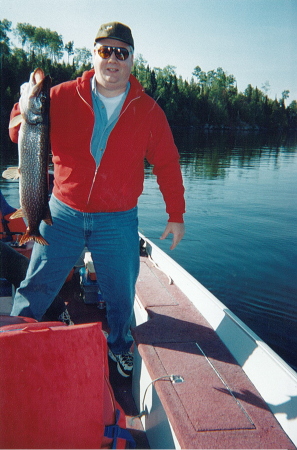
[[112, 239]]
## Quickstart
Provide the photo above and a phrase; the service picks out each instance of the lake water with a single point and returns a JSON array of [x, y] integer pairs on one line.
[[241, 226]]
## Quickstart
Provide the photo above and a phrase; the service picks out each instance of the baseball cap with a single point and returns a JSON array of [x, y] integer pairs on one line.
[[115, 30]]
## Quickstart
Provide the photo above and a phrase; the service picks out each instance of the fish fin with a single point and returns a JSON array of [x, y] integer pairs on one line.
[[17, 214], [32, 237], [16, 121], [48, 217], [40, 240], [12, 173]]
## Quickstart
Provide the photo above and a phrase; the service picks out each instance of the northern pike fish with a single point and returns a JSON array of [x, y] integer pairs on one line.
[[33, 149]]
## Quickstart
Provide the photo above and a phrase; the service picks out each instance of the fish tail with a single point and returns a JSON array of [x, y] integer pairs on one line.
[[40, 240], [32, 237]]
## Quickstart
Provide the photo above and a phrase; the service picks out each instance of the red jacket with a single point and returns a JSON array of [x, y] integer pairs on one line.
[[142, 131]]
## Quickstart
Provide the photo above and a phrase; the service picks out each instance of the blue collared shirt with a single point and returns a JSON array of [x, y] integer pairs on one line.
[[103, 126]]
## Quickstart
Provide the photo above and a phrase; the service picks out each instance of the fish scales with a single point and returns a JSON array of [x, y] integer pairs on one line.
[[33, 145]]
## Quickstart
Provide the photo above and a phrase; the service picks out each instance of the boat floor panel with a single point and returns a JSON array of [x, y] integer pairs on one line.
[[208, 383], [217, 406]]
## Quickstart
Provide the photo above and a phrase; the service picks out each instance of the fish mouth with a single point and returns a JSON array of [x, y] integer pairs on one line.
[[40, 81], [38, 75]]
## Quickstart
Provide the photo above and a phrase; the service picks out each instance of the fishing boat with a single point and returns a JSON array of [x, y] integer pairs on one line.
[[201, 378]]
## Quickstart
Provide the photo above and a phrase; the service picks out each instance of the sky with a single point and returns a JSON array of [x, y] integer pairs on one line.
[[253, 40]]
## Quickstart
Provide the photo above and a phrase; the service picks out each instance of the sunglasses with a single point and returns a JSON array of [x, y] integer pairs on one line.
[[121, 53]]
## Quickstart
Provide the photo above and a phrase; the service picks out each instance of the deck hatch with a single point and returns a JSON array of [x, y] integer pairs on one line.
[[218, 408]]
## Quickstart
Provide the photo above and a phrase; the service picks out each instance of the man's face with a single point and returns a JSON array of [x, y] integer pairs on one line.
[[112, 75]]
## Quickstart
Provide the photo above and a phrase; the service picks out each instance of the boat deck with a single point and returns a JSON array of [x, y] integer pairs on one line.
[[215, 407]]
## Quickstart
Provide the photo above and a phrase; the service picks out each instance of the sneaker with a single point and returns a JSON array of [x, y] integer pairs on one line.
[[124, 362], [65, 318]]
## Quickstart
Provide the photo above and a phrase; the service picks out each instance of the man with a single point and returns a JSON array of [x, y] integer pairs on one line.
[[103, 126]]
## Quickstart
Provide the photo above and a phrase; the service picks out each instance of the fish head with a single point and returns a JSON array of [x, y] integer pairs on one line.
[[35, 97]]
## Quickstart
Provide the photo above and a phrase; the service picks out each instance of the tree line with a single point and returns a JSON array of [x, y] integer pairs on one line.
[[210, 100]]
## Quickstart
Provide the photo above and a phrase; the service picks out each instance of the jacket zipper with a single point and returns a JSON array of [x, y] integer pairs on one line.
[[90, 107], [97, 167]]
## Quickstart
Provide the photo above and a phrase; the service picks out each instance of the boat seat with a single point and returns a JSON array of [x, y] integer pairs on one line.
[[55, 390], [8, 321]]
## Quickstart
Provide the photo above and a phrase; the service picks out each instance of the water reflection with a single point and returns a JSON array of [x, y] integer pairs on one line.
[[208, 155]]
